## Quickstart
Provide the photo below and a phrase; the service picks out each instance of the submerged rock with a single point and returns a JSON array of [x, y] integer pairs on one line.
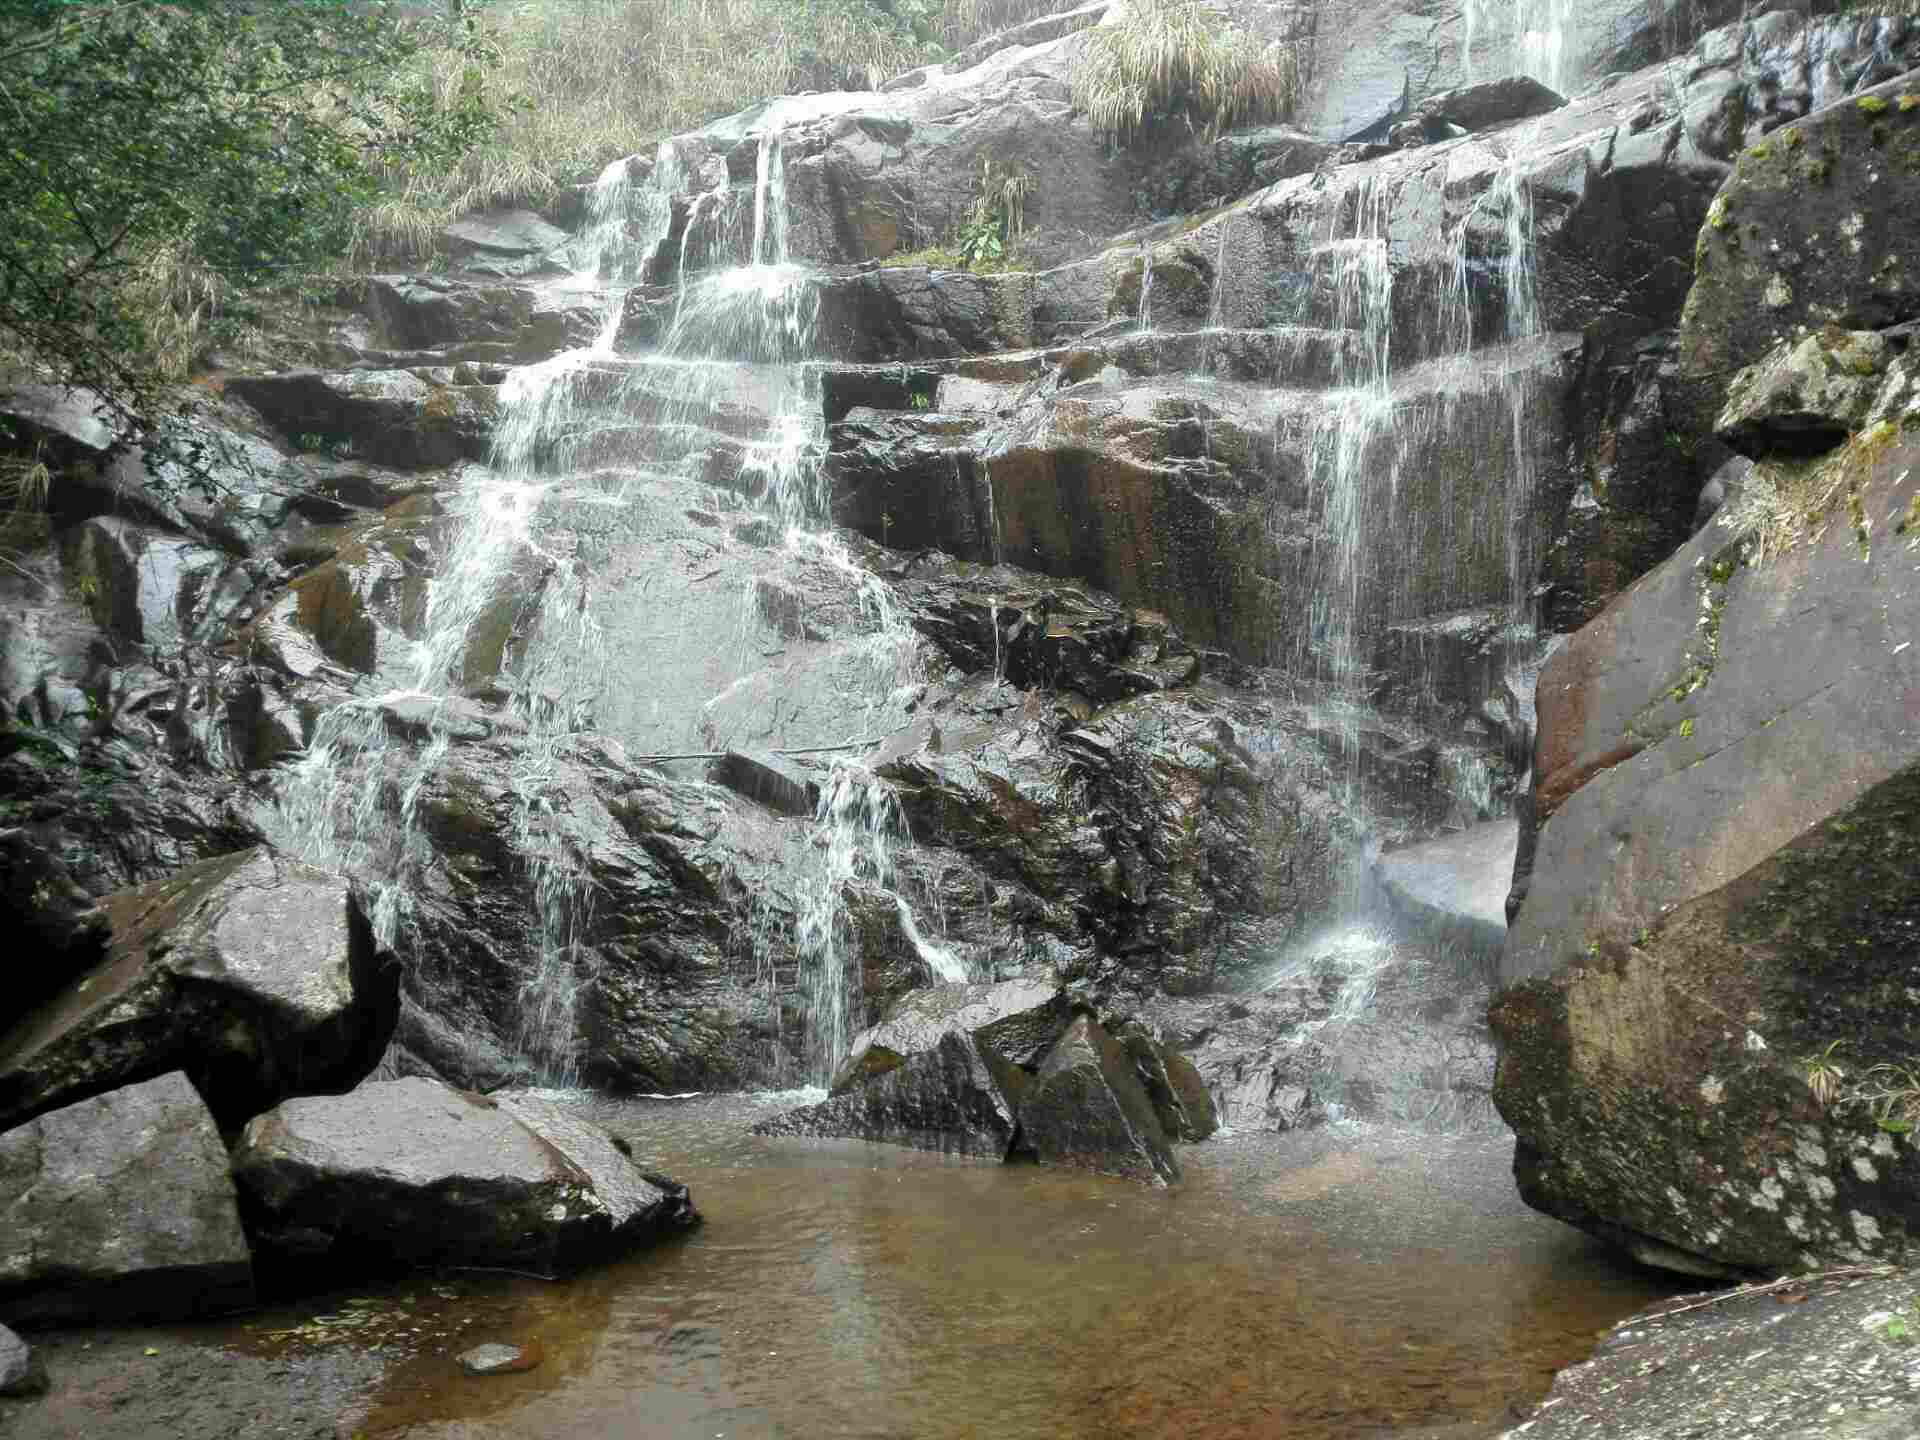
[[411, 1172], [255, 974], [120, 1208], [498, 1360]]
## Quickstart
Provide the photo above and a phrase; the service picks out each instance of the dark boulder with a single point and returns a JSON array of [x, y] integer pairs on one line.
[[767, 779], [120, 1208], [1489, 103], [1015, 1021], [255, 974], [410, 1172], [972, 1069], [1173, 1086], [950, 1098], [1086, 1107]]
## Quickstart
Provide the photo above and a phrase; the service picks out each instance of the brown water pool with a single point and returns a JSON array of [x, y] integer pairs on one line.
[[1343, 1282]]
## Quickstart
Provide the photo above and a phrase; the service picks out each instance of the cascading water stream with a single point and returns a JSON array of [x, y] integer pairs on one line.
[[1357, 417], [351, 802]]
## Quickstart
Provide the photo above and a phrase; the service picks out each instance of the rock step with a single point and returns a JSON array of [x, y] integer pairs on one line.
[[1453, 891]]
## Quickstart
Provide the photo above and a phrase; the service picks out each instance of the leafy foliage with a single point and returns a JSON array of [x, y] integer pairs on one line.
[[1179, 63], [239, 133], [998, 215]]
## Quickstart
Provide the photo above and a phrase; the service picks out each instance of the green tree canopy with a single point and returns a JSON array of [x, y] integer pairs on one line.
[[243, 129]]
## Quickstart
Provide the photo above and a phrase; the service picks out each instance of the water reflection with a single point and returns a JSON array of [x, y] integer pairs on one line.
[[1343, 1282]]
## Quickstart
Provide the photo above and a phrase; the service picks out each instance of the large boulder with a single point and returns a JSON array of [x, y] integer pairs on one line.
[[1015, 1021], [1819, 225], [120, 1208], [1703, 1030], [949, 1098], [1011, 1069], [411, 1172], [256, 975], [1086, 1107]]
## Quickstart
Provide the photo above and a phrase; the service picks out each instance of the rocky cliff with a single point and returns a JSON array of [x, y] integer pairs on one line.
[[1107, 611]]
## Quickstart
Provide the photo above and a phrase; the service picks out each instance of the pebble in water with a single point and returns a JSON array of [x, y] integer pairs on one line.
[[499, 1360]]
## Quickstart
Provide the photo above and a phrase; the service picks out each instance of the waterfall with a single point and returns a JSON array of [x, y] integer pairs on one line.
[[350, 803], [1543, 26], [1146, 288], [1539, 31], [1421, 472], [1356, 416], [847, 856]]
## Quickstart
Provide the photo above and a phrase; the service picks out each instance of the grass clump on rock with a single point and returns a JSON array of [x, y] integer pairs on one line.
[[1165, 63]]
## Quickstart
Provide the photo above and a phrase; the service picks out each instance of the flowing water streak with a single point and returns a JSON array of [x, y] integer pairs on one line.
[[742, 343], [856, 828], [1146, 287], [1357, 416], [1539, 30], [1543, 27]]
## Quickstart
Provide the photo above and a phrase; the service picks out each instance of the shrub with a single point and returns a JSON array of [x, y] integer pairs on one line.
[[1166, 63]]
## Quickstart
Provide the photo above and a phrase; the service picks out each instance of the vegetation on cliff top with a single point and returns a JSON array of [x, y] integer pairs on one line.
[[156, 153]]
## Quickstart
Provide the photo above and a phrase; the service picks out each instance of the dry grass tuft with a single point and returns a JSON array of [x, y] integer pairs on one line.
[[1168, 62], [1781, 502]]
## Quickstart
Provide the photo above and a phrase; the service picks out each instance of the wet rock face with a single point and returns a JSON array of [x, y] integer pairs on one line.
[[1816, 227], [120, 1208], [1376, 60], [401, 418], [411, 1172], [253, 973], [1725, 792]]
